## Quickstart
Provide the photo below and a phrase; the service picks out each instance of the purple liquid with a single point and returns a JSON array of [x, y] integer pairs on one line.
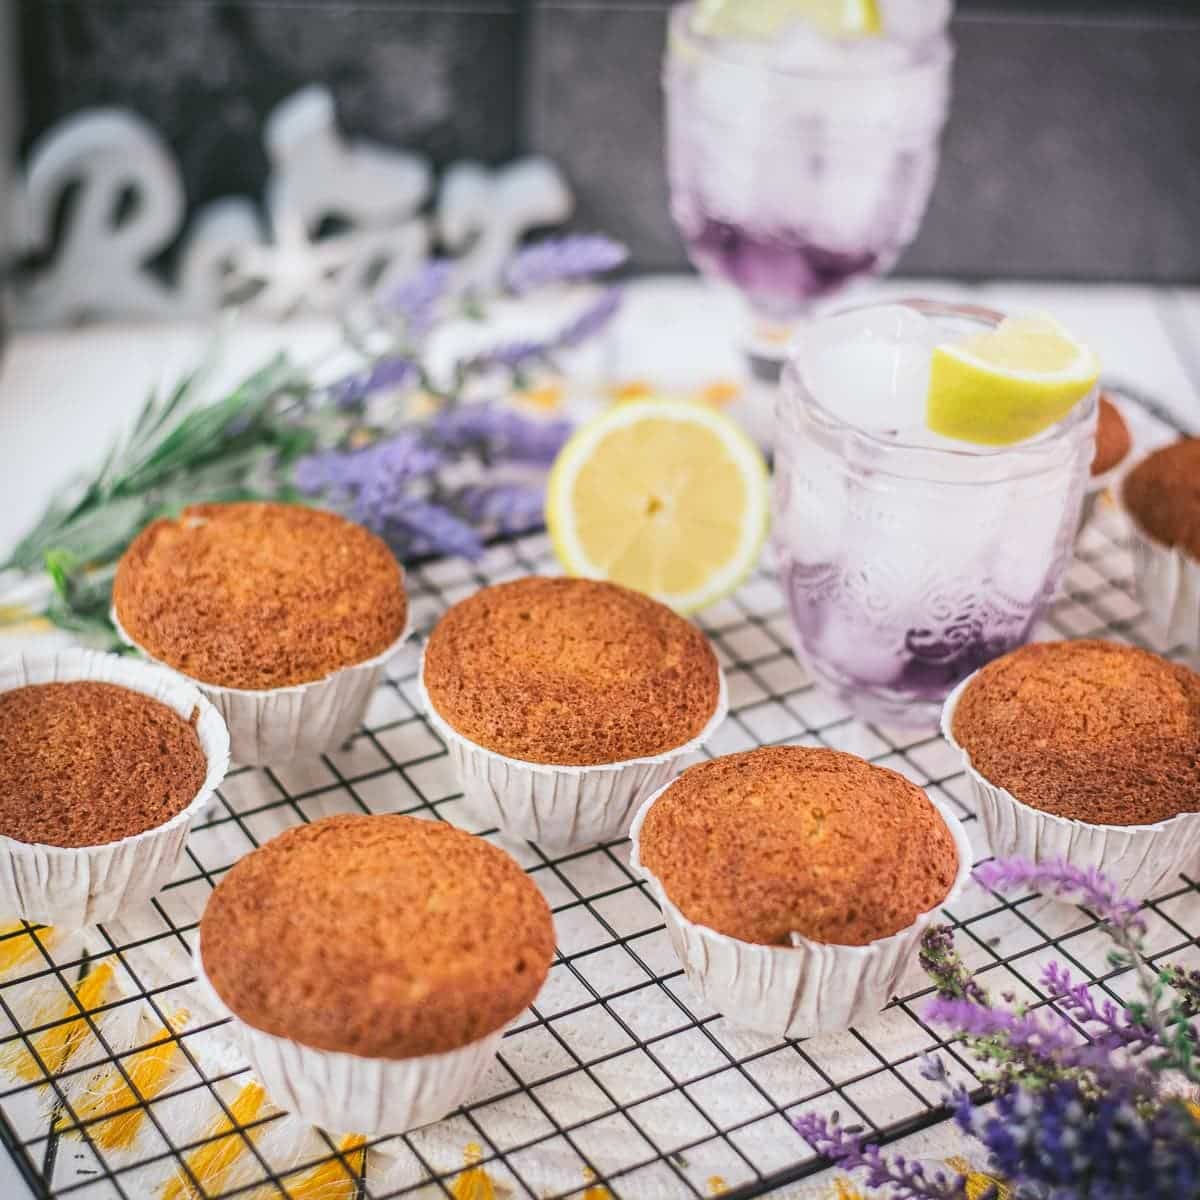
[[899, 659], [781, 272]]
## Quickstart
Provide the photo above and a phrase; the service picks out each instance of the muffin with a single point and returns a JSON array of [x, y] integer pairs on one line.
[[1113, 444], [796, 882], [371, 963], [1088, 751], [563, 702], [1113, 439], [1162, 497], [282, 615], [104, 763]]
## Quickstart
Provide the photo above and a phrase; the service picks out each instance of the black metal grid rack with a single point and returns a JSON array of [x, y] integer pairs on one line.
[[618, 1076]]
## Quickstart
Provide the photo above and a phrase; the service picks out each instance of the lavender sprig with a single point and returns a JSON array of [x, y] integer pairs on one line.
[[1071, 1145], [508, 507], [377, 471], [496, 431], [384, 374], [907, 1180], [1126, 926], [562, 260], [518, 355], [943, 964], [426, 527], [416, 300], [1114, 1027], [1088, 887], [590, 321]]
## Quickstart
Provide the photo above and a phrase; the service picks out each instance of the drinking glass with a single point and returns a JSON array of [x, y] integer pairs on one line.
[[799, 165], [909, 560]]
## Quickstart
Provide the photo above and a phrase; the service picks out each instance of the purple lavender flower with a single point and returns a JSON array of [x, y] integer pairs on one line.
[[415, 301], [591, 321], [906, 1180], [510, 355], [1045, 1039], [581, 328], [1088, 887], [384, 473], [422, 525], [346, 473], [1066, 1142], [508, 507], [945, 967], [560, 260], [1115, 1026], [499, 432], [385, 374]]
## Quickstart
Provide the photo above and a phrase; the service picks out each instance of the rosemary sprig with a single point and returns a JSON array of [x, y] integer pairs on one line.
[[178, 452]]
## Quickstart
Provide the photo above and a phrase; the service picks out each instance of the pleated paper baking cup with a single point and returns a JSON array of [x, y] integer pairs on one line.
[[807, 988], [73, 886], [1168, 583], [1140, 859], [559, 807], [348, 1093], [1097, 487], [277, 725]]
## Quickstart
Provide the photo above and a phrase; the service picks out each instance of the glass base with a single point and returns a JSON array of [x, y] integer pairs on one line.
[[879, 706]]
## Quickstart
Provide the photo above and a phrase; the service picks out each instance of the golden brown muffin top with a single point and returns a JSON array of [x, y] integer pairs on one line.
[[570, 671], [384, 936], [258, 595], [788, 839], [1090, 730], [1113, 440], [1163, 494], [86, 763]]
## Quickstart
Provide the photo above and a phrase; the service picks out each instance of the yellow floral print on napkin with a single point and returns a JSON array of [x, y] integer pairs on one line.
[[224, 1145], [68, 1028], [337, 1179], [112, 1109], [17, 944], [474, 1183]]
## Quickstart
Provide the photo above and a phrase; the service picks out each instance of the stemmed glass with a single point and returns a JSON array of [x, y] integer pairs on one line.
[[799, 165]]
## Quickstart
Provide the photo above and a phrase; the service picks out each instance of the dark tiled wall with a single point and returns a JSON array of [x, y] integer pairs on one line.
[[1073, 147]]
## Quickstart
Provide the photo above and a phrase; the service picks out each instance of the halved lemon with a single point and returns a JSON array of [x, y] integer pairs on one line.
[[664, 496], [1001, 387], [766, 18]]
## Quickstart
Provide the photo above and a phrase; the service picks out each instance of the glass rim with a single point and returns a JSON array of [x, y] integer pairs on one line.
[[978, 314], [935, 53]]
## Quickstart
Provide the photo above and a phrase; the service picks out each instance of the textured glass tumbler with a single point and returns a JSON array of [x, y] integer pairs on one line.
[[907, 566]]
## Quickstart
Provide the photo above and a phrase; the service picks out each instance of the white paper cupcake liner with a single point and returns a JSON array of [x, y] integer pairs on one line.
[[347, 1093], [72, 886], [1097, 486], [1139, 859], [279, 724], [1168, 583], [559, 807], [808, 988]]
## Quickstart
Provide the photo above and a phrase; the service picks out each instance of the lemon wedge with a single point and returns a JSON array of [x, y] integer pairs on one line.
[[664, 496], [1010, 384], [766, 18]]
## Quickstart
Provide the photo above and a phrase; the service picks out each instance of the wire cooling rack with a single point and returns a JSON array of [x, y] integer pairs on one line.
[[618, 1078]]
